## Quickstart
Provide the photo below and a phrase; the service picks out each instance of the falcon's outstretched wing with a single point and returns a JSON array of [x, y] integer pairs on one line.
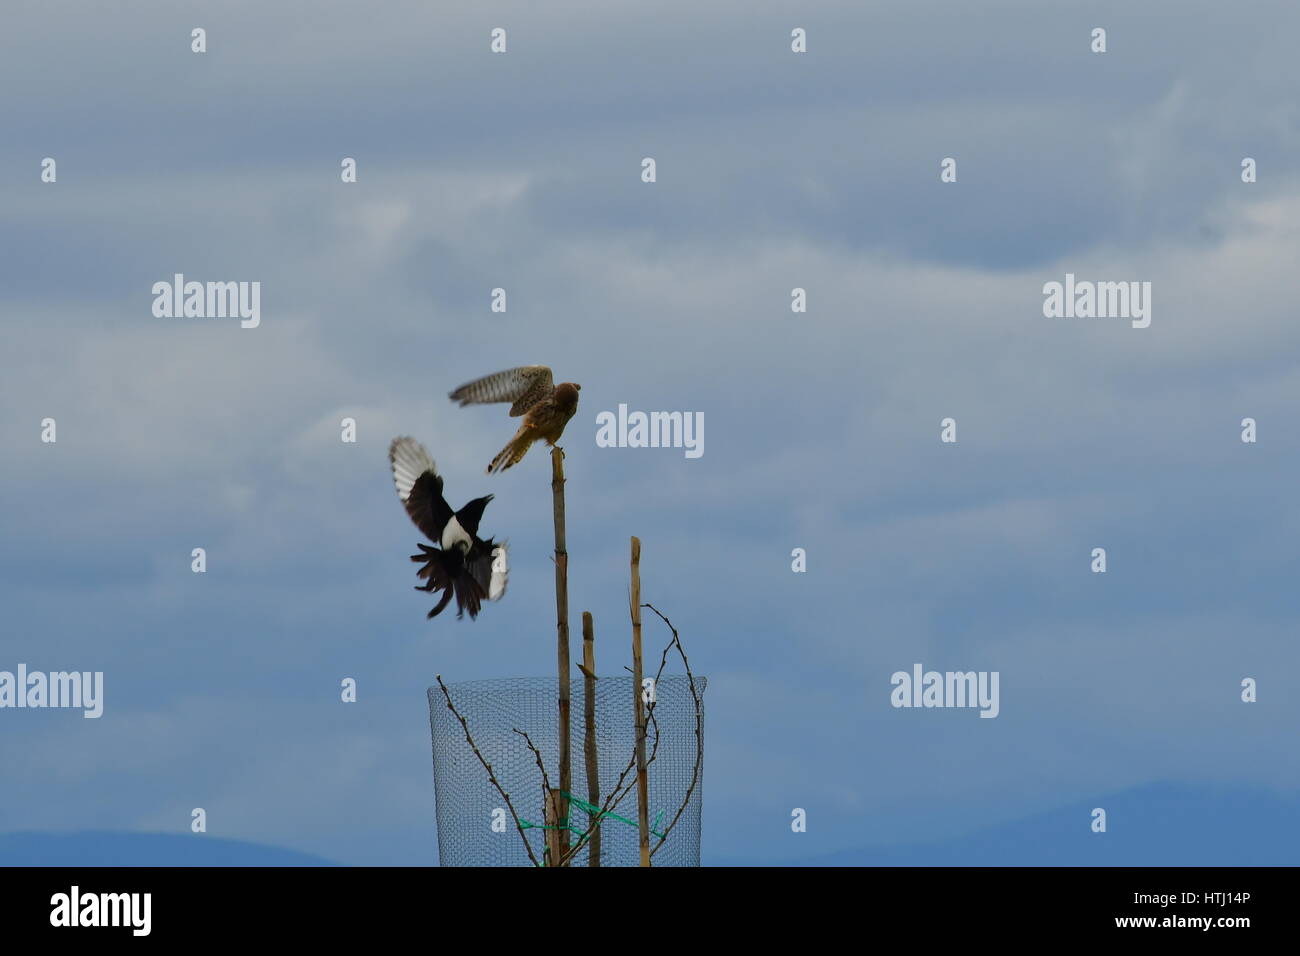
[[419, 486], [525, 386]]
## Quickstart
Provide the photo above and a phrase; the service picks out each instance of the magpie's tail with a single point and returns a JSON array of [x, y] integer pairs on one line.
[[469, 596], [436, 575]]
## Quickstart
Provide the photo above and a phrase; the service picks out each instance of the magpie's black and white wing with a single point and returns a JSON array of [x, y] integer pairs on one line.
[[419, 487], [488, 564]]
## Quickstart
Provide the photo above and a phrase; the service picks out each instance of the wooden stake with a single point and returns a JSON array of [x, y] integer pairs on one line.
[[589, 742], [642, 781], [554, 852], [562, 636]]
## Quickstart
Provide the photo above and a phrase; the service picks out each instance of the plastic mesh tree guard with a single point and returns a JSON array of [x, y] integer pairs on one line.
[[467, 803]]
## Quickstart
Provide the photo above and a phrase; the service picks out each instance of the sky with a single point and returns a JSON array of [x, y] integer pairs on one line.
[[775, 170]]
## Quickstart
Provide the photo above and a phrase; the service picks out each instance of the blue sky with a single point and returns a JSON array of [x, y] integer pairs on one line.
[[775, 170]]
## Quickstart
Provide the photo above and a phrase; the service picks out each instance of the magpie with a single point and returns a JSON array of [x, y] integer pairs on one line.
[[472, 568]]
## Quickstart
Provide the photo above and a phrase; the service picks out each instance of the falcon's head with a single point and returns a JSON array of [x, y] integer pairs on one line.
[[566, 394]]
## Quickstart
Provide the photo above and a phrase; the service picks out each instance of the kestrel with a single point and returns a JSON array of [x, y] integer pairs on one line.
[[546, 407], [464, 564]]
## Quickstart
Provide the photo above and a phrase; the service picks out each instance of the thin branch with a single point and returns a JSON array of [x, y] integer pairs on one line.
[[546, 781], [488, 767], [699, 724]]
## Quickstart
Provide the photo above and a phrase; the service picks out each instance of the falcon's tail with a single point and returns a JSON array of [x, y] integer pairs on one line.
[[514, 452]]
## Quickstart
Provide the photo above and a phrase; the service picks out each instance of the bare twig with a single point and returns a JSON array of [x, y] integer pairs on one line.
[[546, 781], [551, 803], [699, 723], [488, 767]]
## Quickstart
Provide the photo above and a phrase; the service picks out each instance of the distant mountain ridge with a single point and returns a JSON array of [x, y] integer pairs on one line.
[[1155, 825], [121, 848]]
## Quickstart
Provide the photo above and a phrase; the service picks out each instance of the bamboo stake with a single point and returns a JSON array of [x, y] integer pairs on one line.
[[589, 743], [562, 635], [554, 834], [642, 781]]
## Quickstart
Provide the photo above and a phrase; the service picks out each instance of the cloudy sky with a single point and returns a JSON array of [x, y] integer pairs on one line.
[[775, 170]]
